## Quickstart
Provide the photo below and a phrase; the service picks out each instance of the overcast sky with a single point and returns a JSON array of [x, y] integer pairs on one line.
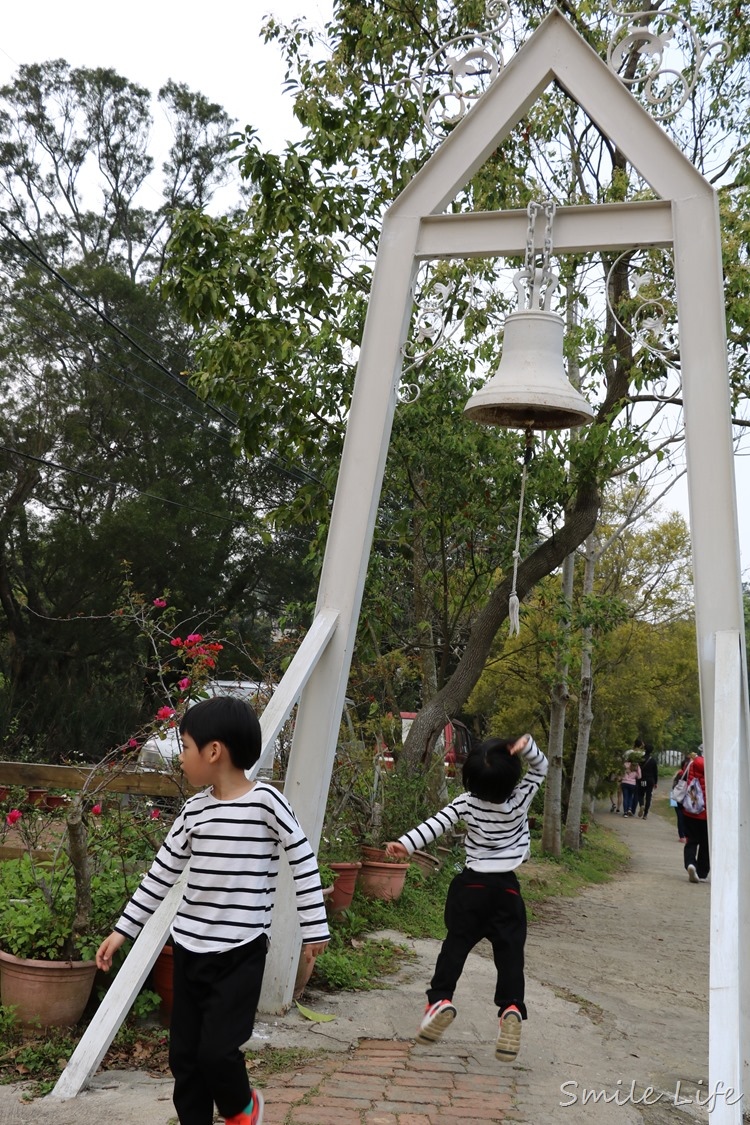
[[215, 48]]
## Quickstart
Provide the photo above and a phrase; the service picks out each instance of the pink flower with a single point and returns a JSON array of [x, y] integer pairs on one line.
[[164, 713], [155, 814], [96, 810], [184, 683], [194, 639], [159, 603], [13, 816], [176, 642], [132, 743]]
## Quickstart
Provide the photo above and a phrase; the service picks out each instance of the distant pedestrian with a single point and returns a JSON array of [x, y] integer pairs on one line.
[[677, 804], [484, 900], [696, 854], [648, 781], [631, 775]]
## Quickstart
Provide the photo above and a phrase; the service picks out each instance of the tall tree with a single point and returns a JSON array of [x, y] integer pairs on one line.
[[105, 453]]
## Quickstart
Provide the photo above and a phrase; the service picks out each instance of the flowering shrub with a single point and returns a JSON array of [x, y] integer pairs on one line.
[[83, 862], [38, 892]]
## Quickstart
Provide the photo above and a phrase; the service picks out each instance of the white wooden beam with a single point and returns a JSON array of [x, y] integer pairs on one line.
[[725, 1064], [607, 226]]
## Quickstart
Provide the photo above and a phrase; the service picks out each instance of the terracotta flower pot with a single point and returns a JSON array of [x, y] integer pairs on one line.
[[46, 993], [427, 864], [162, 979], [382, 880], [343, 885], [36, 796], [369, 854], [4, 791], [55, 800]]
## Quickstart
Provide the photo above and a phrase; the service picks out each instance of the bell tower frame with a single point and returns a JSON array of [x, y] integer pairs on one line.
[[416, 229]]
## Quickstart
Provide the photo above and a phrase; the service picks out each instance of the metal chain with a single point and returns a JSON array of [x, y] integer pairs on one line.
[[538, 276]]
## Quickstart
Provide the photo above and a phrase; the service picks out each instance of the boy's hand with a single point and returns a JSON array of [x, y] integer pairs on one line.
[[107, 950], [520, 744], [396, 850], [313, 950]]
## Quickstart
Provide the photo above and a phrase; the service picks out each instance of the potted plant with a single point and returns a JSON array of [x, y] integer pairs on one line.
[[56, 903], [337, 852], [79, 864]]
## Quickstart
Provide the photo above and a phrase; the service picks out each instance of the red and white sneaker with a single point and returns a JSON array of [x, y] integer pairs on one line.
[[253, 1118], [509, 1035], [437, 1017]]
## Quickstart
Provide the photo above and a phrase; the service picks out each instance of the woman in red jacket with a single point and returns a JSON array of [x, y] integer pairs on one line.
[[697, 863]]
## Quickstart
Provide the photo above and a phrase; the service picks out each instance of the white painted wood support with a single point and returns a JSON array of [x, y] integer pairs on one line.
[[344, 569], [727, 822], [119, 999], [95, 1041]]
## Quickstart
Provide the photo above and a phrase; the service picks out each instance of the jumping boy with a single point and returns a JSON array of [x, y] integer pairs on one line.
[[484, 900], [230, 834]]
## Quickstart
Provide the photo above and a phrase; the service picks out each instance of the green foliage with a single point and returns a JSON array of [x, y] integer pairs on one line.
[[38, 891]]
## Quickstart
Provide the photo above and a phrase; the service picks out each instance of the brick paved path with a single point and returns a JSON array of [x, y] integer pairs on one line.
[[385, 1082]]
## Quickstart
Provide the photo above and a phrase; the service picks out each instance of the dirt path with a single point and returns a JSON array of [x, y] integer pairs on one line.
[[620, 951]]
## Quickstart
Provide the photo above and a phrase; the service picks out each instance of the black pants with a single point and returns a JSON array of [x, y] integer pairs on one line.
[[483, 905], [696, 848], [644, 796], [215, 1000]]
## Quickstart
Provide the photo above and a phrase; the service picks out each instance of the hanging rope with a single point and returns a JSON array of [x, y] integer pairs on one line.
[[514, 624]]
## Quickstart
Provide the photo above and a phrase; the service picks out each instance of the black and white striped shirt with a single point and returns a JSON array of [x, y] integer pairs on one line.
[[233, 848], [497, 836]]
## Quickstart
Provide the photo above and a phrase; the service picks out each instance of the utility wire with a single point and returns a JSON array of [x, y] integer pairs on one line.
[[293, 472], [117, 484]]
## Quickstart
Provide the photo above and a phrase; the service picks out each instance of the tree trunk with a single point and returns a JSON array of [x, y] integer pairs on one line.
[[79, 858], [572, 836], [579, 523], [552, 829]]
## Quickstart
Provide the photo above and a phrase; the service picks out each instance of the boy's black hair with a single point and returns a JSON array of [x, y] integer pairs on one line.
[[228, 720], [490, 771]]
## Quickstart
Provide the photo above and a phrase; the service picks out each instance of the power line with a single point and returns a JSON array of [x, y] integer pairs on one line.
[[116, 484], [293, 472]]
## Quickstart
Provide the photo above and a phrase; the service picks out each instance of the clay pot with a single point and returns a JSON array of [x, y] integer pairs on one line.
[[4, 791], [36, 796], [162, 980], [382, 880], [369, 854], [55, 800], [584, 828], [46, 993], [344, 883], [427, 864]]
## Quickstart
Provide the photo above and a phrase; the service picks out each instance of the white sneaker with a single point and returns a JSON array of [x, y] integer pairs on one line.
[[692, 873], [509, 1035]]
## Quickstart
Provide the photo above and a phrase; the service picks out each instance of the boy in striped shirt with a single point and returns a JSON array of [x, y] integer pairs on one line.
[[484, 900], [231, 834]]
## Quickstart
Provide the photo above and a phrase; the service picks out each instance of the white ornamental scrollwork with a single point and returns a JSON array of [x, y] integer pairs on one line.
[[652, 316], [659, 55], [457, 74], [441, 307]]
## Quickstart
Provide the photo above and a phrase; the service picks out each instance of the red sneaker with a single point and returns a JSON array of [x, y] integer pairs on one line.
[[245, 1118]]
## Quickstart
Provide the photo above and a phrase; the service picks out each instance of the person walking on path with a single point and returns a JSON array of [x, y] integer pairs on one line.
[[484, 900], [231, 833], [631, 775], [648, 782], [682, 771], [695, 814]]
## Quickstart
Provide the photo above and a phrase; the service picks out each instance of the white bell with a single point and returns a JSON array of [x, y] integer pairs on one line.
[[530, 388]]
